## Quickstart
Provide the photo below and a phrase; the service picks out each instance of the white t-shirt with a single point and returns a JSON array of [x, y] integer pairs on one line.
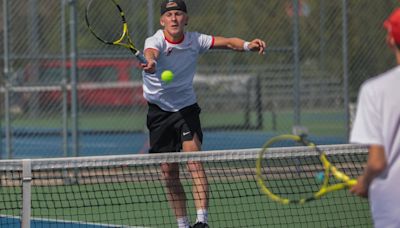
[[378, 122], [181, 59]]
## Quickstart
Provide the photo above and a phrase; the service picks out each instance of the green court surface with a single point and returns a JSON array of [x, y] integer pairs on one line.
[[234, 202]]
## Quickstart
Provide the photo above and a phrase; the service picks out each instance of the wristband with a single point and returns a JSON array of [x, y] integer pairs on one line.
[[246, 46]]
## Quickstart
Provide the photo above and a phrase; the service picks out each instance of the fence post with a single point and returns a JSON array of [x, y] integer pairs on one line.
[[345, 68], [259, 104], [64, 78], [323, 41], [74, 77], [296, 63], [5, 33], [34, 52], [150, 17], [6, 71]]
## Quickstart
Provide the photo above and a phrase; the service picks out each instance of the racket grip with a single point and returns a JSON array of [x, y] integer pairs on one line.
[[141, 57], [352, 182]]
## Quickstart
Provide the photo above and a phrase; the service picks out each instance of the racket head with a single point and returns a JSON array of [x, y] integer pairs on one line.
[[106, 21], [290, 175]]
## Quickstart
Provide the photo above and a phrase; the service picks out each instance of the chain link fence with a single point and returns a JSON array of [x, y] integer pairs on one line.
[[63, 93]]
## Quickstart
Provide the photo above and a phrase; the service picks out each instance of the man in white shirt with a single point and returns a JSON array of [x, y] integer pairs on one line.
[[173, 117], [377, 124]]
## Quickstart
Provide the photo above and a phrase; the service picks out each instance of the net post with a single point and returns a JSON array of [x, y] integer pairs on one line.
[[26, 193]]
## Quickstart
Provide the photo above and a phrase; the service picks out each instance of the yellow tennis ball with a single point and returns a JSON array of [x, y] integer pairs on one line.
[[167, 76]]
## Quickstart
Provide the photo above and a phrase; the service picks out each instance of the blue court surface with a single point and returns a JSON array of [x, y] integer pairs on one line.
[[14, 222], [50, 145]]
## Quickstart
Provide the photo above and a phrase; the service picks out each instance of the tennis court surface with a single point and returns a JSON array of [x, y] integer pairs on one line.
[[14, 222], [128, 191]]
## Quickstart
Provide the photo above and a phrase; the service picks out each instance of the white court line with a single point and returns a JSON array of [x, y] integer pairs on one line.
[[72, 222]]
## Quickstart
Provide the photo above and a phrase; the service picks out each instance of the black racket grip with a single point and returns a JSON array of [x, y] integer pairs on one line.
[[138, 55]]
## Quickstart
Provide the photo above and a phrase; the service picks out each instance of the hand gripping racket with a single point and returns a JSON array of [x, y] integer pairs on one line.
[[106, 21], [297, 179]]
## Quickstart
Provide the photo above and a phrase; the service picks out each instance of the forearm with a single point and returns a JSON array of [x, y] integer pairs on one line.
[[376, 163], [229, 43], [151, 54], [238, 44], [369, 175]]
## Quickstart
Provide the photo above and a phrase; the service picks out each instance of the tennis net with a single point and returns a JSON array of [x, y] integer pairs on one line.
[[128, 191]]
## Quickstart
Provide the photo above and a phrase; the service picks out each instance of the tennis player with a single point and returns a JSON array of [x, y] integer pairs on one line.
[[173, 113], [377, 124]]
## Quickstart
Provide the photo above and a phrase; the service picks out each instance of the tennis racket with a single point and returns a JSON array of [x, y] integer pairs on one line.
[[106, 21], [297, 178]]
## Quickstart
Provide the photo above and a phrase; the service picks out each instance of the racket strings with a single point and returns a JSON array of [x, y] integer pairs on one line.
[[292, 177], [105, 20], [350, 164], [306, 172]]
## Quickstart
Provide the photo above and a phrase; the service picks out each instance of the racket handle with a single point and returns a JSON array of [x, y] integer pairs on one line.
[[351, 182], [141, 57]]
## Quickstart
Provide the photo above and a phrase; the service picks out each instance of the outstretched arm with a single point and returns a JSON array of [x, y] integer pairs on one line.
[[238, 44]]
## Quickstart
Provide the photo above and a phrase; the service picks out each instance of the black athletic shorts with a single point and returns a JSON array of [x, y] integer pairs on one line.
[[169, 129]]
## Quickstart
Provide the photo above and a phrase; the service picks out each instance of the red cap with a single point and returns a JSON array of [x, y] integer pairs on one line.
[[392, 24]]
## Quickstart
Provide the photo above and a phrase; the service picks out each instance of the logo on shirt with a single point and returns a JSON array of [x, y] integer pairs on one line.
[[169, 51]]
